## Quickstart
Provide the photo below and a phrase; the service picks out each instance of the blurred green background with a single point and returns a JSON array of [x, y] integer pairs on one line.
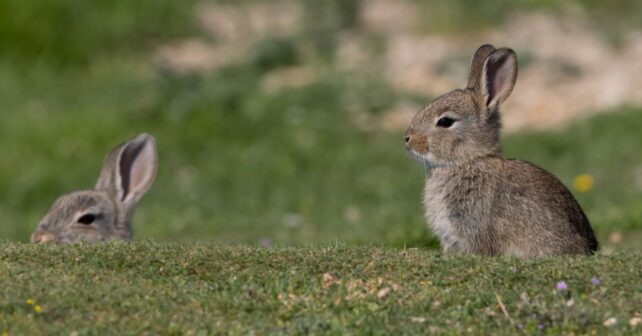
[[280, 122]]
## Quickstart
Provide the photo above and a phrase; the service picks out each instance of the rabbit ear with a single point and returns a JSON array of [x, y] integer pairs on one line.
[[497, 78], [477, 64], [130, 169]]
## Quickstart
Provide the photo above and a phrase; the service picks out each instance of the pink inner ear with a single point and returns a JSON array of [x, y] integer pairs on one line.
[[137, 168], [500, 76], [499, 82], [141, 171]]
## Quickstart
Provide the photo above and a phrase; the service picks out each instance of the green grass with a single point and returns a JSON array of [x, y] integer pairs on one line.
[[151, 288], [70, 32]]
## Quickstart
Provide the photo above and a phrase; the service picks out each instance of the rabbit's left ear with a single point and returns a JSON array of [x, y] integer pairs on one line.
[[477, 65], [497, 78], [130, 169]]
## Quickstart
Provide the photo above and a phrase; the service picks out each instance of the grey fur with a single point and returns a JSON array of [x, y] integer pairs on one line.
[[477, 202], [128, 172]]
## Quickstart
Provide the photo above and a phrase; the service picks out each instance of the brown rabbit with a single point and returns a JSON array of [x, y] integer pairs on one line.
[[476, 201], [106, 212]]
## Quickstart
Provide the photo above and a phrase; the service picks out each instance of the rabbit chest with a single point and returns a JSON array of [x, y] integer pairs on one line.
[[438, 217], [455, 208]]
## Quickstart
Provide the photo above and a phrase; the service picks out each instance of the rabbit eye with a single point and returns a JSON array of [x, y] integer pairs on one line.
[[87, 219], [445, 122]]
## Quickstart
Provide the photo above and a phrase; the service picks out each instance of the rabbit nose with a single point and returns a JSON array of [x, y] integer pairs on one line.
[[407, 135], [42, 237]]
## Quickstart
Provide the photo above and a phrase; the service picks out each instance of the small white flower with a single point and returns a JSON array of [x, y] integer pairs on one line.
[[382, 293], [610, 322]]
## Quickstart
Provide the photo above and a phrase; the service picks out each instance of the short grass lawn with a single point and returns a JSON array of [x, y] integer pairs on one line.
[[201, 289]]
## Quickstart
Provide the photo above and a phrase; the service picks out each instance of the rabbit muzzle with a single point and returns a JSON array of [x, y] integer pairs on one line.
[[41, 237], [416, 143]]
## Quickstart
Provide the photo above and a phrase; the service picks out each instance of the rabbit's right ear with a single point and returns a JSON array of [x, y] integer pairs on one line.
[[130, 169], [496, 80]]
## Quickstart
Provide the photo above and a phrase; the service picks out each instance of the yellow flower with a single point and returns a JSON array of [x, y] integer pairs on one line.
[[29, 301], [5, 334], [37, 309], [583, 183]]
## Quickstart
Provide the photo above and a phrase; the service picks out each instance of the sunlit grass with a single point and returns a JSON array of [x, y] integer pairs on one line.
[[151, 288]]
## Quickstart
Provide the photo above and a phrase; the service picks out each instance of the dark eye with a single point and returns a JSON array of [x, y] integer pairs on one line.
[[445, 122], [87, 219]]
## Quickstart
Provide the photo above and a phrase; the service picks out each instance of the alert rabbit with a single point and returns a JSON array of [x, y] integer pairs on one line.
[[106, 212], [477, 202]]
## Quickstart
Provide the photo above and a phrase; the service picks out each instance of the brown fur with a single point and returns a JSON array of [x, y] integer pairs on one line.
[[477, 202], [127, 173]]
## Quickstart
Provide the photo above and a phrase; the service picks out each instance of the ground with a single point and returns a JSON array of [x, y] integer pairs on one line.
[[198, 289]]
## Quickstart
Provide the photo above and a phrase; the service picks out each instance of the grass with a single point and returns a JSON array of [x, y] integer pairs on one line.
[[72, 32], [151, 288]]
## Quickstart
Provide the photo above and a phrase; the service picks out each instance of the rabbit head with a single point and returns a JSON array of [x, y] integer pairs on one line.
[[464, 124], [106, 212]]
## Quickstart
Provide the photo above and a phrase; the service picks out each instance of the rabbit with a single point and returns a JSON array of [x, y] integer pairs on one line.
[[106, 212], [475, 201]]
